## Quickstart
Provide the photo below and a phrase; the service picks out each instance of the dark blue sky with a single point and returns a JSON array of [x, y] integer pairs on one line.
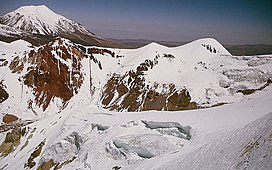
[[230, 22]]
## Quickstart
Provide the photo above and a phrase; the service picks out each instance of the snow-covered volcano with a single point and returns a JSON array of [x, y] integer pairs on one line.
[[41, 20], [39, 23]]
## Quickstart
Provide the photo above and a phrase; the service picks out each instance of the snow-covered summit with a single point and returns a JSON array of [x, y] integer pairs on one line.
[[41, 20], [210, 44], [40, 10]]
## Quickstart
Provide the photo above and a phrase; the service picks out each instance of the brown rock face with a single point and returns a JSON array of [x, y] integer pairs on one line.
[[180, 100], [11, 141], [30, 162], [47, 165], [9, 118], [130, 92], [3, 94], [138, 97], [56, 72], [154, 101], [17, 65]]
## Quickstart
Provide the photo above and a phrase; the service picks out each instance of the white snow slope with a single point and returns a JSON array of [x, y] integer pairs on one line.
[[9, 31], [83, 135]]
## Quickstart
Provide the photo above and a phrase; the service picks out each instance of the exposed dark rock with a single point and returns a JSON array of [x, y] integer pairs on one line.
[[250, 91], [100, 51], [3, 62], [170, 57], [154, 101], [116, 167], [180, 100], [7, 126], [135, 96], [30, 162], [100, 127], [16, 65], [47, 165], [246, 91], [61, 164], [8, 118], [3, 94], [11, 141], [52, 78]]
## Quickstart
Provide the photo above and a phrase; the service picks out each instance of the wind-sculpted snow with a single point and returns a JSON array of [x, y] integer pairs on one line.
[[142, 145], [63, 150], [169, 128], [257, 61], [125, 149], [251, 75]]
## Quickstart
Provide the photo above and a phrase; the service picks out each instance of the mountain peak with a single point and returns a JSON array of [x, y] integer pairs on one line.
[[41, 20], [39, 24], [40, 11], [32, 7]]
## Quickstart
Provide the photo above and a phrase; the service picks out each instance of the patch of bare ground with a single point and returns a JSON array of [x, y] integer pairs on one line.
[[8, 118], [12, 140], [50, 163], [3, 93], [30, 162]]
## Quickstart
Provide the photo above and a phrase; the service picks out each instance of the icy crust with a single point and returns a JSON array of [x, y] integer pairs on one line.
[[170, 128], [63, 150], [142, 146]]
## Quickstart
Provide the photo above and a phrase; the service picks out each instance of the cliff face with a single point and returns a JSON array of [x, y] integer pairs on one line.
[[51, 71], [130, 92]]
